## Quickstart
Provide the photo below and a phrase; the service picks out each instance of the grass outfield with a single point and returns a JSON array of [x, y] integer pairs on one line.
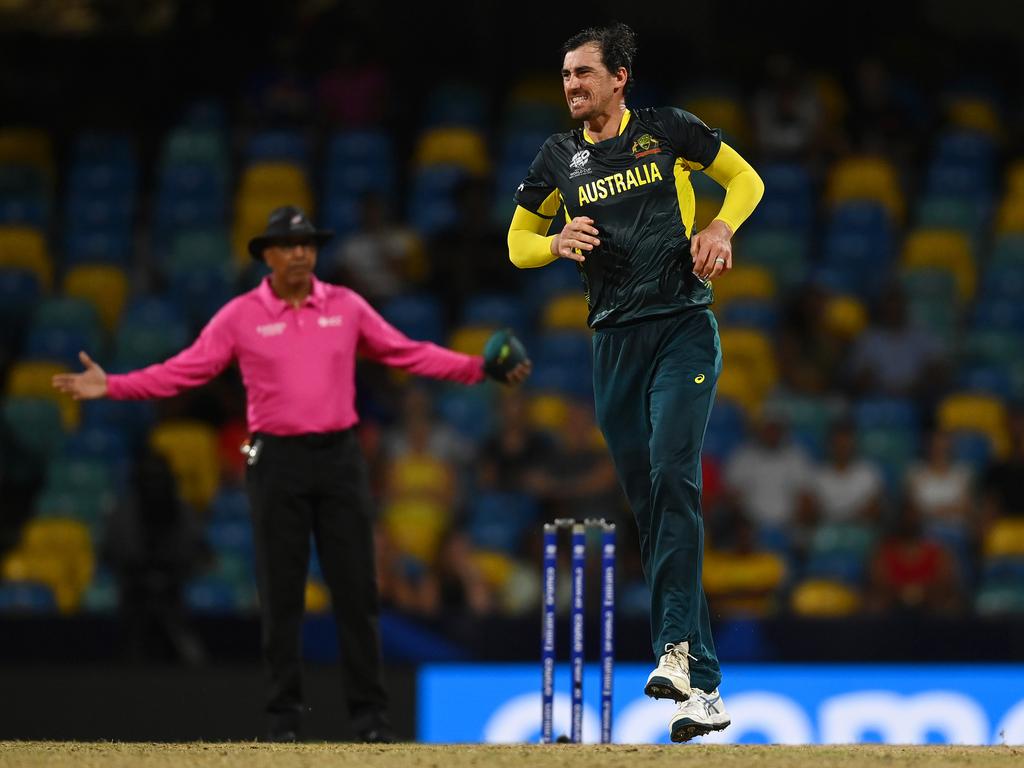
[[252, 755]]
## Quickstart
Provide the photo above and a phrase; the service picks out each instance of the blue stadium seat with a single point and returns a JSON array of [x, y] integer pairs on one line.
[[341, 213], [886, 413], [96, 148], [419, 317], [1003, 282], [192, 180], [61, 345], [20, 597], [102, 443], [200, 292], [130, 419], [102, 178], [972, 448], [231, 535], [107, 247], [101, 213], [212, 595], [961, 179], [498, 521], [496, 310], [726, 430], [24, 211], [230, 504], [469, 412], [19, 294], [845, 567], [992, 378], [759, 315], [453, 104], [965, 147], [289, 146]]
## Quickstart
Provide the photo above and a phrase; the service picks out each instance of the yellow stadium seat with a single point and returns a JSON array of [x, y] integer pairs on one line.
[[273, 179], [25, 248], [190, 448], [470, 339], [33, 379], [416, 526], [495, 567], [538, 90], [825, 599], [866, 178], [1010, 216], [26, 147], [57, 552], [734, 386], [548, 412], [743, 283], [565, 312], [725, 113], [975, 114], [845, 317], [105, 287], [1015, 179], [462, 147], [318, 600], [751, 352], [943, 249], [419, 476], [1005, 538], [970, 411]]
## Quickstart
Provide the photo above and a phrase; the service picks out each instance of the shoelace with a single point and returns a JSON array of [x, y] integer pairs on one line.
[[676, 653]]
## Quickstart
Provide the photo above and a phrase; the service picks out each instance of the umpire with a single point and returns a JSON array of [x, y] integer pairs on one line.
[[295, 339]]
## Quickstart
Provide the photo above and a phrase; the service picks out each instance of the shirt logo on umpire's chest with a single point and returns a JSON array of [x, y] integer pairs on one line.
[[271, 329], [332, 321]]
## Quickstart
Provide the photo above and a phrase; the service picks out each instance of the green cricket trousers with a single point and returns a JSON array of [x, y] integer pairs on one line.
[[654, 383]]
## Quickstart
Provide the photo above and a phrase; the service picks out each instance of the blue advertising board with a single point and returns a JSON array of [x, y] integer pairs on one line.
[[784, 704]]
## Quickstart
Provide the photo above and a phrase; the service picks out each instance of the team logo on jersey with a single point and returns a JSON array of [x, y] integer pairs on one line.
[[578, 164], [645, 145]]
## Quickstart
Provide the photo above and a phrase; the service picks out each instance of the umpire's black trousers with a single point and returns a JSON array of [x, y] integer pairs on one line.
[[315, 483]]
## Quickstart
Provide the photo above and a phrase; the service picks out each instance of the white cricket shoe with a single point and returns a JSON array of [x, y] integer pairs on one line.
[[702, 714], [671, 678]]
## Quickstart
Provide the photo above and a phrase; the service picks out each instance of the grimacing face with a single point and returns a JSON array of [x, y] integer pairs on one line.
[[590, 89]]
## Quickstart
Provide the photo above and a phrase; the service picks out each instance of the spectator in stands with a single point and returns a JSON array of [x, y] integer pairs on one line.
[[1003, 484], [894, 359], [513, 457], [787, 113], [912, 572], [740, 578], [419, 427], [767, 479], [577, 479], [939, 487], [154, 545], [382, 259], [847, 488], [809, 355]]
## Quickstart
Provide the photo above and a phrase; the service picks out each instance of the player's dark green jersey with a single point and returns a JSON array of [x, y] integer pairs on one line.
[[636, 187]]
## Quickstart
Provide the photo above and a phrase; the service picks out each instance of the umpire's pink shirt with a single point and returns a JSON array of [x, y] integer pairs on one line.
[[298, 365]]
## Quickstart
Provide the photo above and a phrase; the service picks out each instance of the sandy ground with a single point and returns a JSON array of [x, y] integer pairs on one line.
[[253, 755]]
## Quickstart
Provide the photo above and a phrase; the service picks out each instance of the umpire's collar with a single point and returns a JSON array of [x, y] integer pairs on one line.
[[276, 305]]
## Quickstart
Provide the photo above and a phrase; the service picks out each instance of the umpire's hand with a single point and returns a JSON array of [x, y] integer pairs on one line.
[[578, 234], [87, 385], [505, 358]]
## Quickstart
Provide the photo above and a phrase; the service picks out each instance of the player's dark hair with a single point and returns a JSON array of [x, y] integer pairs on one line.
[[617, 43]]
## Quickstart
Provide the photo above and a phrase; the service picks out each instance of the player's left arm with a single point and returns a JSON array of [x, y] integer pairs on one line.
[[711, 248]]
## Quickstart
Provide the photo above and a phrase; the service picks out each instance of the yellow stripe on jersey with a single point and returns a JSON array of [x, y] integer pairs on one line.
[[684, 193], [622, 126]]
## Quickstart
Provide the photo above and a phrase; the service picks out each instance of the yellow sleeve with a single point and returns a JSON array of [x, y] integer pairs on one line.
[[743, 187], [528, 243]]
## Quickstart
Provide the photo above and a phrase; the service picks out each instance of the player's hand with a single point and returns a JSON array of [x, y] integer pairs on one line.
[[578, 234], [90, 384], [711, 249], [520, 373]]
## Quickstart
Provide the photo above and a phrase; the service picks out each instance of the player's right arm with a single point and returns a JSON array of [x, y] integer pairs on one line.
[[195, 365], [537, 204]]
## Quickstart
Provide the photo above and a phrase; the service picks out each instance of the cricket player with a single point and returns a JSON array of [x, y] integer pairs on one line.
[[624, 180]]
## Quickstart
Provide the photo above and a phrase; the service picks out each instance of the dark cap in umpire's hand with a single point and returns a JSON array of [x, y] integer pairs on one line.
[[287, 224]]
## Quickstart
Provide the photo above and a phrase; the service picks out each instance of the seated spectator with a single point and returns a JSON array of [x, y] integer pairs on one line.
[[767, 479], [809, 355], [846, 489], [939, 487], [1003, 484], [154, 545], [787, 113], [511, 458], [913, 572], [740, 579], [418, 425], [380, 261], [894, 359], [577, 479]]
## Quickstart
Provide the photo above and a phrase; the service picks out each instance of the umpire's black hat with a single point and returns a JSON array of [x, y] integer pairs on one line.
[[287, 224]]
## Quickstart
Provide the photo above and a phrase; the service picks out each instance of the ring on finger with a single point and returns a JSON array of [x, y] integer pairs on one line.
[[719, 260]]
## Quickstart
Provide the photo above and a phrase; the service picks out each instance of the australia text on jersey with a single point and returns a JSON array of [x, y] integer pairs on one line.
[[615, 183]]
